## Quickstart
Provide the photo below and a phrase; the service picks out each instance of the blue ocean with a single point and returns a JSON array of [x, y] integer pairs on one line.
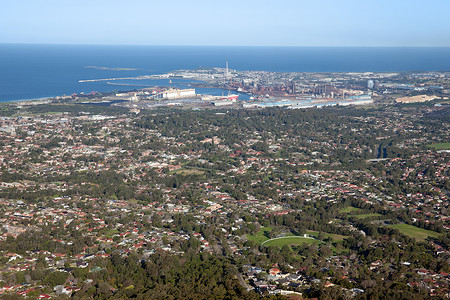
[[32, 71]]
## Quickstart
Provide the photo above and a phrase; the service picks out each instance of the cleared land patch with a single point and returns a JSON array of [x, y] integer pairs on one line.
[[440, 146], [357, 212], [349, 209], [334, 237], [186, 172], [415, 232], [363, 216], [259, 237], [290, 240]]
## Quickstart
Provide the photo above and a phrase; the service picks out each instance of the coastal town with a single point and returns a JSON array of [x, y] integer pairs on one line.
[[225, 150], [337, 86], [206, 88], [343, 201]]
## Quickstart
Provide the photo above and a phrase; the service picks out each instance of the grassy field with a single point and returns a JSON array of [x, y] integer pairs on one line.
[[415, 232], [349, 209], [110, 233], [440, 146], [290, 240], [335, 237], [363, 216], [260, 237], [357, 212], [186, 172], [29, 114]]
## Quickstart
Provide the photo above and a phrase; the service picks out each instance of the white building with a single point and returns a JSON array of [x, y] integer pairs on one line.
[[177, 94]]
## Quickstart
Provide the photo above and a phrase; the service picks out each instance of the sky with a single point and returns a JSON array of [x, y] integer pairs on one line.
[[383, 23]]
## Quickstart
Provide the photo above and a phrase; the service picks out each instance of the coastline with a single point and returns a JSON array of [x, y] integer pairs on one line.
[[23, 101], [33, 72]]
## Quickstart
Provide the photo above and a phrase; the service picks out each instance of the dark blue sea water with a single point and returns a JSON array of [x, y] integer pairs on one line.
[[30, 71]]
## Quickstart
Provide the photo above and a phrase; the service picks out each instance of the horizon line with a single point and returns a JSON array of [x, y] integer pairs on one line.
[[205, 45]]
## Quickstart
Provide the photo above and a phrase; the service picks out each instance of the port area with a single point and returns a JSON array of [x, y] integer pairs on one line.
[[185, 103], [201, 88], [154, 98], [189, 99]]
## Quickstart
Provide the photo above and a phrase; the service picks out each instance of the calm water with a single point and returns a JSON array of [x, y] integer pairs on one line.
[[36, 71]]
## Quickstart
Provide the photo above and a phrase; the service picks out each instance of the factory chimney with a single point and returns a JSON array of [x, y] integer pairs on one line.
[[226, 70]]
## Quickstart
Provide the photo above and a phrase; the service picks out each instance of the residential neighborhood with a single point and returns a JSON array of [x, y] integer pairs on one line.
[[308, 203]]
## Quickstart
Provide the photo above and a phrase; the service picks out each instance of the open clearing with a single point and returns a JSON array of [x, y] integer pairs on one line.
[[262, 239], [259, 237], [357, 212], [415, 232], [440, 146], [290, 240], [363, 216], [334, 237], [186, 172], [349, 209]]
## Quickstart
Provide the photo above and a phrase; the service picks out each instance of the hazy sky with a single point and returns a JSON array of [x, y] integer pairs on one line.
[[232, 22]]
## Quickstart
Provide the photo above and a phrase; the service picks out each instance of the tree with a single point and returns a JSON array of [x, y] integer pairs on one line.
[[55, 278]]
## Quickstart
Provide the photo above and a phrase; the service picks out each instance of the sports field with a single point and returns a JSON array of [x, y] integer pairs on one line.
[[334, 237], [415, 232], [259, 237], [363, 216], [357, 212], [440, 146], [290, 240]]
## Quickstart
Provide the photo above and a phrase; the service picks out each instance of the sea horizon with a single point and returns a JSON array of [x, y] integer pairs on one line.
[[224, 46], [30, 71]]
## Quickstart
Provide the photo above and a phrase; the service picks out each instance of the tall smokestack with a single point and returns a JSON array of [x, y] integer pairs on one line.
[[226, 69]]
